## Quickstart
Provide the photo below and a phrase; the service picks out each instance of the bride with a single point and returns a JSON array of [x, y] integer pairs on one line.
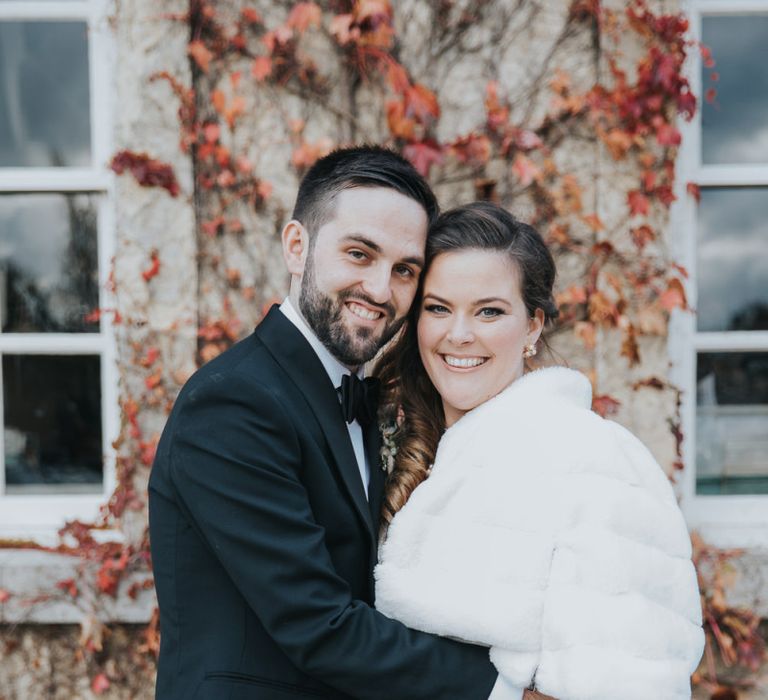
[[517, 518]]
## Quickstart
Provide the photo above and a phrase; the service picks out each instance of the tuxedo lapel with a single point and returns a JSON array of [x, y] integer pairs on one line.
[[372, 439], [295, 355]]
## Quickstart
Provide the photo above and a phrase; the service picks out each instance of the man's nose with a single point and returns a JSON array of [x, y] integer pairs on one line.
[[378, 284]]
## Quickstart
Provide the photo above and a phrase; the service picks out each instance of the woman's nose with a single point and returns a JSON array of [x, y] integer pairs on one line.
[[460, 332]]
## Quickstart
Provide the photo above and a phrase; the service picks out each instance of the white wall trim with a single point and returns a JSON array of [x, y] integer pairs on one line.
[[40, 516], [726, 521]]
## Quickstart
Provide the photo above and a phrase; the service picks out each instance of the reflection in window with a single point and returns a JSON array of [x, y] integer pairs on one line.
[[48, 263], [52, 430], [732, 266], [44, 94], [732, 423], [735, 125]]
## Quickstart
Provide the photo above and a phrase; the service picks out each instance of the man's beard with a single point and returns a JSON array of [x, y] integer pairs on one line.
[[324, 316]]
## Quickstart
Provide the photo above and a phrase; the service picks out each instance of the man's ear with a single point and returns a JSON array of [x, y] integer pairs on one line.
[[295, 247]]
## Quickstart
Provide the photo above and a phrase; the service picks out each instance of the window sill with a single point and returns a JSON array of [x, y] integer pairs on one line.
[[30, 578]]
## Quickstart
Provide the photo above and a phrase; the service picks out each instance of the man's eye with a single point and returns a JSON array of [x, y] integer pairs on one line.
[[357, 254], [404, 271], [490, 312]]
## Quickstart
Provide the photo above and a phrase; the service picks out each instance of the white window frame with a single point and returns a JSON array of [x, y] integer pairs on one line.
[[724, 520], [39, 516]]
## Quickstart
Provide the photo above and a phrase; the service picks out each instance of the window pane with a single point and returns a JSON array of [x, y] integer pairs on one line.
[[732, 423], [52, 409], [44, 94], [732, 255], [735, 125], [48, 262]]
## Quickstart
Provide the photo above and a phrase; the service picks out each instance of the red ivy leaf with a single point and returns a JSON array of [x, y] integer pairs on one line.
[[605, 405], [261, 68], [100, 683], [424, 155], [154, 267], [147, 171], [250, 15], [668, 135], [694, 190], [638, 202], [69, 586], [4, 596]]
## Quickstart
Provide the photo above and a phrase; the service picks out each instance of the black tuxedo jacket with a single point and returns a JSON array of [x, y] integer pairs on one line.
[[263, 544]]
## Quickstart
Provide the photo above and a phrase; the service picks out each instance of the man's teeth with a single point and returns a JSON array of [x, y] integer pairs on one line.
[[362, 312], [464, 361]]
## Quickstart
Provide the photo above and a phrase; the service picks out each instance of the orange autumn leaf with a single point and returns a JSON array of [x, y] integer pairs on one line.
[[200, 54], [594, 222], [618, 143], [307, 153], [525, 169], [219, 101], [575, 294], [304, 15], [399, 124], [642, 235], [601, 309], [422, 103], [154, 380], [638, 203], [261, 68], [674, 295], [150, 357]]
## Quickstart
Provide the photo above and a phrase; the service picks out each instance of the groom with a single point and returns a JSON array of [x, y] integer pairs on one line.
[[265, 494]]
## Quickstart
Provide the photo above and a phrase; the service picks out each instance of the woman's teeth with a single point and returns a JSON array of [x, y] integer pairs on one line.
[[464, 361]]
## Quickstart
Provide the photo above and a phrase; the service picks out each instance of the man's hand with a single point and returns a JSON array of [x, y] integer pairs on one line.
[[533, 695]]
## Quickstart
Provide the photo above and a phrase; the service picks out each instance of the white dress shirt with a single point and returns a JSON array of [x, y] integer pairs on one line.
[[335, 371]]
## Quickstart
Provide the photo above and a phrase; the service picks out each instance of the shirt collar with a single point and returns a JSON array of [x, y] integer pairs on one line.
[[335, 369]]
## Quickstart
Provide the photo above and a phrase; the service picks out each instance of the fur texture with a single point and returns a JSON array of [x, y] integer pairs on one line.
[[552, 536]]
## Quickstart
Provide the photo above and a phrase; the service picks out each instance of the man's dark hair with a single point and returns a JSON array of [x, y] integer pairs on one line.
[[359, 166]]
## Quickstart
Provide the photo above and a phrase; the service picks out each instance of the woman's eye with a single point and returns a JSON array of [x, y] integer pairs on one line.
[[490, 312], [436, 309]]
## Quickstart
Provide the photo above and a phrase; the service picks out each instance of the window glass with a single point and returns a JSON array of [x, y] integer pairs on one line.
[[44, 94], [48, 262], [732, 423], [735, 124], [52, 416], [732, 266]]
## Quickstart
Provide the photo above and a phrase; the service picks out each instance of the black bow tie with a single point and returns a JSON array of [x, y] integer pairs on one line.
[[359, 398]]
